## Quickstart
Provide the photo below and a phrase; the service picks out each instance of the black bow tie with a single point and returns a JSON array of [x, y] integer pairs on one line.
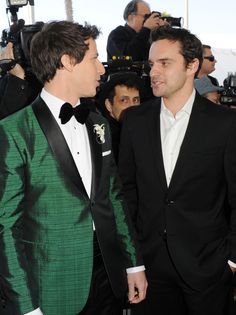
[[67, 111]]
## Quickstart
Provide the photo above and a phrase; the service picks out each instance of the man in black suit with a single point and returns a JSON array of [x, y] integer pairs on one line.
[[178, 166]]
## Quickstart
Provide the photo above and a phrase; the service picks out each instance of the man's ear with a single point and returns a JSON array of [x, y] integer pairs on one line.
[[193, 66], [67, 62], [108, 105], [130, 20]]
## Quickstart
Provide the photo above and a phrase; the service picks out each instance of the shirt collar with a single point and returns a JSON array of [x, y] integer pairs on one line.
[[187, 108], [54, 103]]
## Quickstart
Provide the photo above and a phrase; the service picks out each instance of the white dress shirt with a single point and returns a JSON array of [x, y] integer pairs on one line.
[[173, 130], [76, 137], [172, 133]]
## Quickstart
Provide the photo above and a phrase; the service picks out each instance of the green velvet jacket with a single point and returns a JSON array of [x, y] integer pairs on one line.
[[46, 229]]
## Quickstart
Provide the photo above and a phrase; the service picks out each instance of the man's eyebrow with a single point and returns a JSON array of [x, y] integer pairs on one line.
[[160, 59]]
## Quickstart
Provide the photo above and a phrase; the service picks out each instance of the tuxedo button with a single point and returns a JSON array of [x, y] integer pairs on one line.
[[92, 203]]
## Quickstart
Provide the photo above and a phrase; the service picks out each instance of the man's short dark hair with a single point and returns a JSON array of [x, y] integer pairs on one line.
[[56, 39], [132, 8], [191, 46], [131, 80], [206, 47]]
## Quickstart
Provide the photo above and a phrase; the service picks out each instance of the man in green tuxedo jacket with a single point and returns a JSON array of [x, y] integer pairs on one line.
[[66, 244]]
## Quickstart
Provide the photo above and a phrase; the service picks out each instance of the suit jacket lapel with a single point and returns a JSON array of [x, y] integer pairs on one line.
[[155, 137], [57, 143], [96, 154], [191, 138]]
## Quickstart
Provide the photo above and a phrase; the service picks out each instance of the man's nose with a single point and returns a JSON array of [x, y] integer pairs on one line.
[[155, 70], [101, 68]]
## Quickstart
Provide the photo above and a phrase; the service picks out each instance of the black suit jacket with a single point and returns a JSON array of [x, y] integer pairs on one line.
[[16, 93], [192, 209], [124, 41]]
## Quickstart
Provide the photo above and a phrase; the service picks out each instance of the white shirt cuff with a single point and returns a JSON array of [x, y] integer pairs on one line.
[[231, 264], [37, 311], [135, 269]]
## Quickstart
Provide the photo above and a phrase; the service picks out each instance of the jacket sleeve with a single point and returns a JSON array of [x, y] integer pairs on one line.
[[230, 171], [127, 170], [124, 224], [16, 282]]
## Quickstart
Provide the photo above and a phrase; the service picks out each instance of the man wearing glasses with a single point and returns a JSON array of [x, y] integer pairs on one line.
[[208, 64], [132, 39]]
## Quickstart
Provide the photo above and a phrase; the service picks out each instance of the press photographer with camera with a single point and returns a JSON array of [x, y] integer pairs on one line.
[[132, 39], [18, 85], [16, 90]]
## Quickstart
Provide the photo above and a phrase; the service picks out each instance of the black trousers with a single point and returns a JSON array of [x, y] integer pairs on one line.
[[168, 294], [101, 300]]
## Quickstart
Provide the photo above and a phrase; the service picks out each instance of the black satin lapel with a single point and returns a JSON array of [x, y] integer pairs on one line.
[[96, 156], [57, 143], [193, 135], [155, 138]]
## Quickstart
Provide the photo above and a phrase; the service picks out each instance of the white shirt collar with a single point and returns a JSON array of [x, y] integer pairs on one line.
[[187, 108], [54, 103]]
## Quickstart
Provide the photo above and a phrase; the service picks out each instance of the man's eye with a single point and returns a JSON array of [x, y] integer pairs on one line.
[[136, 100], [164, 63]]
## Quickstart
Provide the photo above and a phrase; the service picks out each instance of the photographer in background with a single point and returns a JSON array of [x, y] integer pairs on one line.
[[206, 88], [17, 89], [121, 91], [208, 64], [133, 38]]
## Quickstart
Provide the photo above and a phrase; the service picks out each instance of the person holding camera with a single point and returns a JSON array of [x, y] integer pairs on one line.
[[16, 88], [132, 39]]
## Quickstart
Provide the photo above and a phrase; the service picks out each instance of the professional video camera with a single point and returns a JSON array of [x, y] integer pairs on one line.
[[20, 35], [228, 95], [125, 63], [173, 21]]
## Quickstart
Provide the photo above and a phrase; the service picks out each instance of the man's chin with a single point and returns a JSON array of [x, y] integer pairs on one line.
[[157, 93]]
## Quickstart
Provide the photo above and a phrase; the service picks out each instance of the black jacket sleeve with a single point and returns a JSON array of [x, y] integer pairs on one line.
[[16, 93]]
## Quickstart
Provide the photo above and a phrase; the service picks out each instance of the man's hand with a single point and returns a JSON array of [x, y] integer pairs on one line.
[[154, 21], [7, 53], [137, 284]]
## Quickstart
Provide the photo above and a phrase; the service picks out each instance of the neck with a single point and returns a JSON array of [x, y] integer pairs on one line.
[[201, 74], [176, 102], [62, 91]]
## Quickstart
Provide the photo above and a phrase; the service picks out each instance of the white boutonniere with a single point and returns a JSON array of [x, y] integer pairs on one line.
[[100, 132]]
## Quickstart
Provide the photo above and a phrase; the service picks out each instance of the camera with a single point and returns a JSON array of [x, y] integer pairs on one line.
[[173, 21], [125, 63], [228, 95], [20, 35]]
